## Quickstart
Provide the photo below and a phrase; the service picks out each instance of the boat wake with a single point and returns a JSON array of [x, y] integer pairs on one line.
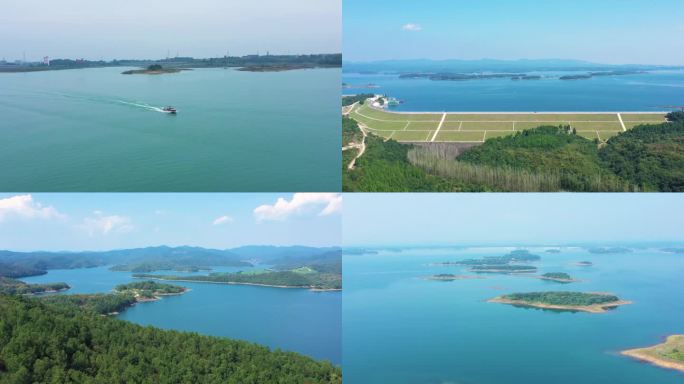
[[144, 106], [107, 100]]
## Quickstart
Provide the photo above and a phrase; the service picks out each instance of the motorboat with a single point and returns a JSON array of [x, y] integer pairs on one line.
[[169, 110]]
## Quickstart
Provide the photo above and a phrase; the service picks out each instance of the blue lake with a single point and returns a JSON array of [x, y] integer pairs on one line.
[[401, 328], [289, 319], [640, 92], [98, 130]]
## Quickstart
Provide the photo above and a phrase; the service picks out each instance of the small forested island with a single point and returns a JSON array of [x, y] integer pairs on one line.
[[149, 290], [506, 269], [575, 77], [669, 354], [526, 77], [584, 263], [303, 277], [451, 277], [157, 266], [592, 302], [57, 340], [609, 250], [275, 67], [363, 86], [154, 69], [560, 277], [512, 257], [673, 250], [11, 286]]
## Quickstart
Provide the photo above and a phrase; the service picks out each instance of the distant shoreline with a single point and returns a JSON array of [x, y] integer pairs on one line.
[[154, 71]]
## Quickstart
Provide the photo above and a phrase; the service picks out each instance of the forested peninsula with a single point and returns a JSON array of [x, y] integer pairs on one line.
[[304, 277]]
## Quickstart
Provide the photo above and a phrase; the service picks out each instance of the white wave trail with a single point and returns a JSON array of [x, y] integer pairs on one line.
[[145, 106]]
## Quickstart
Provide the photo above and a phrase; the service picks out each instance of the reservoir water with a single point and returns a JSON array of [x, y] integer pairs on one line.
[[99, 130], [289, 319], [651, 91], [400, 328]]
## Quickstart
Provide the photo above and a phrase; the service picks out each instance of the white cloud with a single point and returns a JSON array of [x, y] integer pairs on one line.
[[104, 225], [301, 203], [23, 206], [411, 27], [225, 219]]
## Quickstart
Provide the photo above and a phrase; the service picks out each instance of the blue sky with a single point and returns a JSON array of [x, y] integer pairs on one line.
[[514, 218], [95, 29], [605, 31], [112, 221]]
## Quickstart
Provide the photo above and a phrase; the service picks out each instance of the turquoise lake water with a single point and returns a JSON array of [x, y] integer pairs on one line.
[[640, 92], [98, 130], [399, 328], [289, 319]]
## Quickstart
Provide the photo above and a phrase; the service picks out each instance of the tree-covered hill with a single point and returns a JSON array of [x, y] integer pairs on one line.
[[45, 343], [645, 158], [384, 167], [648, 155], [149, 259]]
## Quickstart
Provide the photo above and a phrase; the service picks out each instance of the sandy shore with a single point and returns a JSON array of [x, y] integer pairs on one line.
[[647, 354], [597, 308]]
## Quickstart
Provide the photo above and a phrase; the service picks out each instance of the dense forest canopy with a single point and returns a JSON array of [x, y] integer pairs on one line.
[[649, 155], [55, 342], [350, 133], [98, 303], [384, 167]]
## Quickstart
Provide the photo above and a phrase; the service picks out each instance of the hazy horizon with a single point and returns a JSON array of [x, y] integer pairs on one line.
[[381, 219], [518, 60], [157, 29], [609, 32]]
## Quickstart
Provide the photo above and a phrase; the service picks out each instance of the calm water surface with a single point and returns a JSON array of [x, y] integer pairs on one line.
[[99, 130], [399, 328], [289, 319], [641, 92]]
